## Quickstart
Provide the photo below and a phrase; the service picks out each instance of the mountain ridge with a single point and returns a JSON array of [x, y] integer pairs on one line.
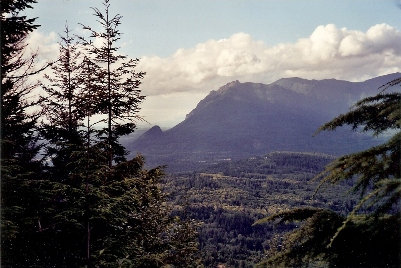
[[245, 119]]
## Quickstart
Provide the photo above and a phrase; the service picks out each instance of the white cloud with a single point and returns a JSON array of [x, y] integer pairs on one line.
[[174, 84], [329, 52], [44, 44]]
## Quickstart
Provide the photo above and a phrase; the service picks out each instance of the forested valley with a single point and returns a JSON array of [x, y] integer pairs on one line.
[[229, 197], [70, 197]]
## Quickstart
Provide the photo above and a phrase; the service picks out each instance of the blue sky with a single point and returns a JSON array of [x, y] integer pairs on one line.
[[189, 47], [159, 27]]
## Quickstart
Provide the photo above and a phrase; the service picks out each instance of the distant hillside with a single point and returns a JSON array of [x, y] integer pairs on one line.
[[275, 163], [230, 196], [127, 140], [244, 119]]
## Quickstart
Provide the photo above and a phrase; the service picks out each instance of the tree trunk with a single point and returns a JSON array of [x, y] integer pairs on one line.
[[88, 244], [110, 150]]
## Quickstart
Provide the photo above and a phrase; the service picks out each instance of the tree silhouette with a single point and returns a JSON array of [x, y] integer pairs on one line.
[[19, 147], [119, 94], [63, 109]]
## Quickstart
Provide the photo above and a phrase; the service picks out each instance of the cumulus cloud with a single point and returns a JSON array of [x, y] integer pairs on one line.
[[45, 45], [329, 52], [174, 84]]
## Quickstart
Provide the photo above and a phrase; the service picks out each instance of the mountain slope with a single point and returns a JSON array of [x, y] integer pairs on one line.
[[244, 119]]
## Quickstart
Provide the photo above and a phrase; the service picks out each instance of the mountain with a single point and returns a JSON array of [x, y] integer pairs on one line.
[[244, 119]]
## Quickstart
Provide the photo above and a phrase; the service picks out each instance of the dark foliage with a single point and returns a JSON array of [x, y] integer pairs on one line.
[[369, 235], [118, 93], [230, 196], [64, 110], [18, 137], [128, 220], [76, 209], [364, 242]]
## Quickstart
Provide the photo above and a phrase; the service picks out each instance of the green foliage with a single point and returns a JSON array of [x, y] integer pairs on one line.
[[230, 196], [379, 113], [369, 235], [377, 169], [124, 209], [299, 247], [364, 242]]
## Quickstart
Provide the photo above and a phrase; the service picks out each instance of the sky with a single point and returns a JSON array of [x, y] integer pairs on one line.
[[190, 47]]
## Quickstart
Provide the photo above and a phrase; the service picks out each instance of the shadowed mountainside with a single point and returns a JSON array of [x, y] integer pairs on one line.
[[244, 119]]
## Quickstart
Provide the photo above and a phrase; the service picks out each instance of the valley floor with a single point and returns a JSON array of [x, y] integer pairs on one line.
[[227, 199]]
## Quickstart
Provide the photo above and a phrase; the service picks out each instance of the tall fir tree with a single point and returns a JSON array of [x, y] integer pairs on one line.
[[19, 148], [370, 235], [94, 213], [81, 210], [17, 137], [63, 109], [119, 93]]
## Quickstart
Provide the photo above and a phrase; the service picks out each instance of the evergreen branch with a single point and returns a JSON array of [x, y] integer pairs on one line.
[[392, 83], [297, 214], [352, 214]]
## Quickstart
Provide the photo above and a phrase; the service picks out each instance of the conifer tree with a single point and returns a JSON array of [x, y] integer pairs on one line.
[[63, 94], [119, 94], [63, 108], [88, 80], [82, 211], [369, 236], [98, 214], [132, 226], [18, 136]]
